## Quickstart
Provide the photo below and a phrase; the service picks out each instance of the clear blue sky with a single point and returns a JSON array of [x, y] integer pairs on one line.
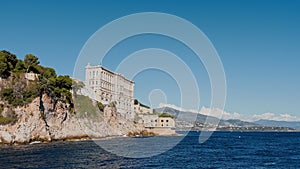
[[258, 42]]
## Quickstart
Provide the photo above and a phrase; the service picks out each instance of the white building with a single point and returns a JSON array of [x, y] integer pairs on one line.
[[139, 109], [166, 122], [149, 120], [111, 87], [154, 121], [158, 125], [31, 76]]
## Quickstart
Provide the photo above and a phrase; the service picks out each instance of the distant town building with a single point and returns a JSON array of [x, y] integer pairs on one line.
[[153, 120], [149, 120], [110, 87], [166, 122], [140, 109], [158, 125]]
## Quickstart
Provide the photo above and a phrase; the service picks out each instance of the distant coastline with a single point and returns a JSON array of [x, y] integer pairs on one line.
[[37, 105]]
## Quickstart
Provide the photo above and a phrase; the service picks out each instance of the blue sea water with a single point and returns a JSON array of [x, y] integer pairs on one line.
[[222, 150]]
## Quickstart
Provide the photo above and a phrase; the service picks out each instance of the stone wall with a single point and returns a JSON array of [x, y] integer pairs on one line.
[[162, 131]]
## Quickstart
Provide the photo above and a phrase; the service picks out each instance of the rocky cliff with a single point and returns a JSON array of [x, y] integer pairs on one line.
[[43, 120], [36, 104]]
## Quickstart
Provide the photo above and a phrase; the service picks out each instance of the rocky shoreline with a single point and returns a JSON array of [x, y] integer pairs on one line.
[[58, 123], [143, 133]]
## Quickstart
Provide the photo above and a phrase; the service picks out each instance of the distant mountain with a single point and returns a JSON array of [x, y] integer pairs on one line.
[[190, 117], [186, 115], [291, 124], [186, 119], [237, 122]]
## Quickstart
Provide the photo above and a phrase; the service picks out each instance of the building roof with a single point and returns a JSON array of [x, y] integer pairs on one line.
[[106, 69]]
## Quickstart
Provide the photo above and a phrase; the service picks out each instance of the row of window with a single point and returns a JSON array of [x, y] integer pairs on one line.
[[124, 105], [162, 124], [104, 75], [106, 85], [160, 120]]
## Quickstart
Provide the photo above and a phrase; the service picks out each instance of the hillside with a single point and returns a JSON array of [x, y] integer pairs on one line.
[[188, 120], [38, 105], [271, 123]]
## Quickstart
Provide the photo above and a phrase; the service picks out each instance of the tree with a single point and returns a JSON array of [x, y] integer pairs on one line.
[[64, 82], [4, 67], [11, 59], [30, 61], [48, 73], [23, 91], [8, 62], [20, 67]]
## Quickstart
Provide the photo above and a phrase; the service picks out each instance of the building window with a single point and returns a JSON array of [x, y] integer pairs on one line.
[[167, 120], [161, 120]]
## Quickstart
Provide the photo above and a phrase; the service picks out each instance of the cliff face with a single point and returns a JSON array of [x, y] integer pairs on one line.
[[42, 120]]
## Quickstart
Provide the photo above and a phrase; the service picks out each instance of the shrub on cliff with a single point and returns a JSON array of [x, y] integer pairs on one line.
[[100, 106], [20, 91], [86, 108], [7, 94], [1, 108], [9, 118], [166, 115], [136, 102]]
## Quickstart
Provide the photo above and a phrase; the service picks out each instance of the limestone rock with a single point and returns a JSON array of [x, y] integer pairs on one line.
[[43, 120]]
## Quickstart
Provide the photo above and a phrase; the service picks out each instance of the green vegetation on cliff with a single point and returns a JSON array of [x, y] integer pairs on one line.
[[17, 90], [165, 115], [136, 102], [9, 117]]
